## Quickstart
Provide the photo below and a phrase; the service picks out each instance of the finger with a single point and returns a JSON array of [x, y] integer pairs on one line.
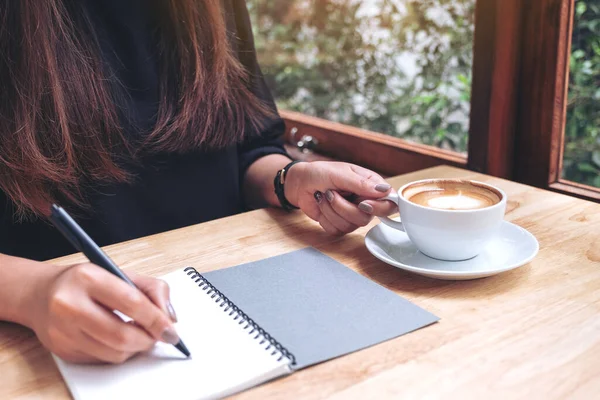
[[311, 208], [346, 210], [115, 294], [157, 291], [328, 227], [379, 208], [63, 347], [108, 329], [95, 349], [333, 217], [361, 184], [81, 348]]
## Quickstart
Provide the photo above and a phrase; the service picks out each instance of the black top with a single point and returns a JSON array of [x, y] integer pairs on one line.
[[170, 190]]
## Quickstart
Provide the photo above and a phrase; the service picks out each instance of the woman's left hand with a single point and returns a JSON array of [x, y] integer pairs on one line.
[[321, 189]]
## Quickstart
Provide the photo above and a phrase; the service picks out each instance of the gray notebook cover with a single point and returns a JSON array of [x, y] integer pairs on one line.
[[316, 307]]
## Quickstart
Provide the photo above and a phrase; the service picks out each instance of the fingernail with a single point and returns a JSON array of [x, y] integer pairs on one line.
[[170, 336], [329, 195], [366, 207], [382, 187], [171, 311], [318, 197]]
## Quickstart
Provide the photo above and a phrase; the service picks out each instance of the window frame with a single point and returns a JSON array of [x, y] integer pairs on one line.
[[518, 104], [548, 29], [383, 153]]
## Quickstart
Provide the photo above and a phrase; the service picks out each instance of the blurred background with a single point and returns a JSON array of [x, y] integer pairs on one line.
[[404, 68]]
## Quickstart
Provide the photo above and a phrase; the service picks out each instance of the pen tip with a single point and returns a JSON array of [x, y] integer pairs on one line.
[[182, 348]]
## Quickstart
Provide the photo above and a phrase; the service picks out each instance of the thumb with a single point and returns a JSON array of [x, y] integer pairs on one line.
[[378, 208], [369, 187]]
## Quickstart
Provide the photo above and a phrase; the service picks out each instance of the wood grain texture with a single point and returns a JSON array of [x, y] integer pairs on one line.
[[576, 189], [533, 332], [372, 150]]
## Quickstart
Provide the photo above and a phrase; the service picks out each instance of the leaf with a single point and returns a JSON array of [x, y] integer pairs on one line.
[[463, 79], [580, 8], [587, 167], [578, 54]]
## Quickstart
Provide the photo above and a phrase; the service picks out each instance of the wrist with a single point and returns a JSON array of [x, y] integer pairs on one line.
[[15, 286], [28, 306], [30, 295], [293, 182]]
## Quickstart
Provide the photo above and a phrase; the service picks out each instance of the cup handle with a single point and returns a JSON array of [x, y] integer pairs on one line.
[[393, 197]]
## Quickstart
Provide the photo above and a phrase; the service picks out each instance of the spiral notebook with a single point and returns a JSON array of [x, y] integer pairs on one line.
[[252, 323]]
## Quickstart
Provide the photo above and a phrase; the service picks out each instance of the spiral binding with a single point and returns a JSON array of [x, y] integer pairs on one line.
[[223, 301]]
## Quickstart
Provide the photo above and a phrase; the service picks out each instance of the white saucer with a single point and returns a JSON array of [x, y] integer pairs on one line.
[[512, 248]]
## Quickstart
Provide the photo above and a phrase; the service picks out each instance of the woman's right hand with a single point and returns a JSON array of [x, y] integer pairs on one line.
[[71, 313]]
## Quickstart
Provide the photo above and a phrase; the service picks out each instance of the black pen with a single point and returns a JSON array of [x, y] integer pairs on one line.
[[83, 243]]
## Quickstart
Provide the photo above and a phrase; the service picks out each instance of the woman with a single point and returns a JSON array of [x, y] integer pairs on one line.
[[139, 117]]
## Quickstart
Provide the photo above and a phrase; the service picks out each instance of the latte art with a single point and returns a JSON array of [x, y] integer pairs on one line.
[[452, 195]]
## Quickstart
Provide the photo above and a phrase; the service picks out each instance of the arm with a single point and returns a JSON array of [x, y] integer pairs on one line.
[[17, 276], [258, 187]]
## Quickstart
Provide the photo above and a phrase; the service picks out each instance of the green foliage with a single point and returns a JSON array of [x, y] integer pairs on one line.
[[403, 70], [581, 161]]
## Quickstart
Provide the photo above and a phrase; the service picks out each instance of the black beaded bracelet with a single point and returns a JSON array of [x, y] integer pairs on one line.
[[279, 183]]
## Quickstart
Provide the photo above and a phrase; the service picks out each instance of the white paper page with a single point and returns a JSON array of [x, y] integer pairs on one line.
[[225, 357]]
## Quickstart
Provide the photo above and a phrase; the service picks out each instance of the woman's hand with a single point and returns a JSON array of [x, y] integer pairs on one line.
[[71, 313], [321, 189]]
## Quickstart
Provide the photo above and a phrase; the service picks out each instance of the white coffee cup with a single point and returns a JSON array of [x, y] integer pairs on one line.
[[447, 234]]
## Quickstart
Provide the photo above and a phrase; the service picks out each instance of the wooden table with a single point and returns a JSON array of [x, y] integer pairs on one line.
[[532, 333]]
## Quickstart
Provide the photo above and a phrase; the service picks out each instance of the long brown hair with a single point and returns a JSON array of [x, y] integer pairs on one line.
[[59, 125]]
